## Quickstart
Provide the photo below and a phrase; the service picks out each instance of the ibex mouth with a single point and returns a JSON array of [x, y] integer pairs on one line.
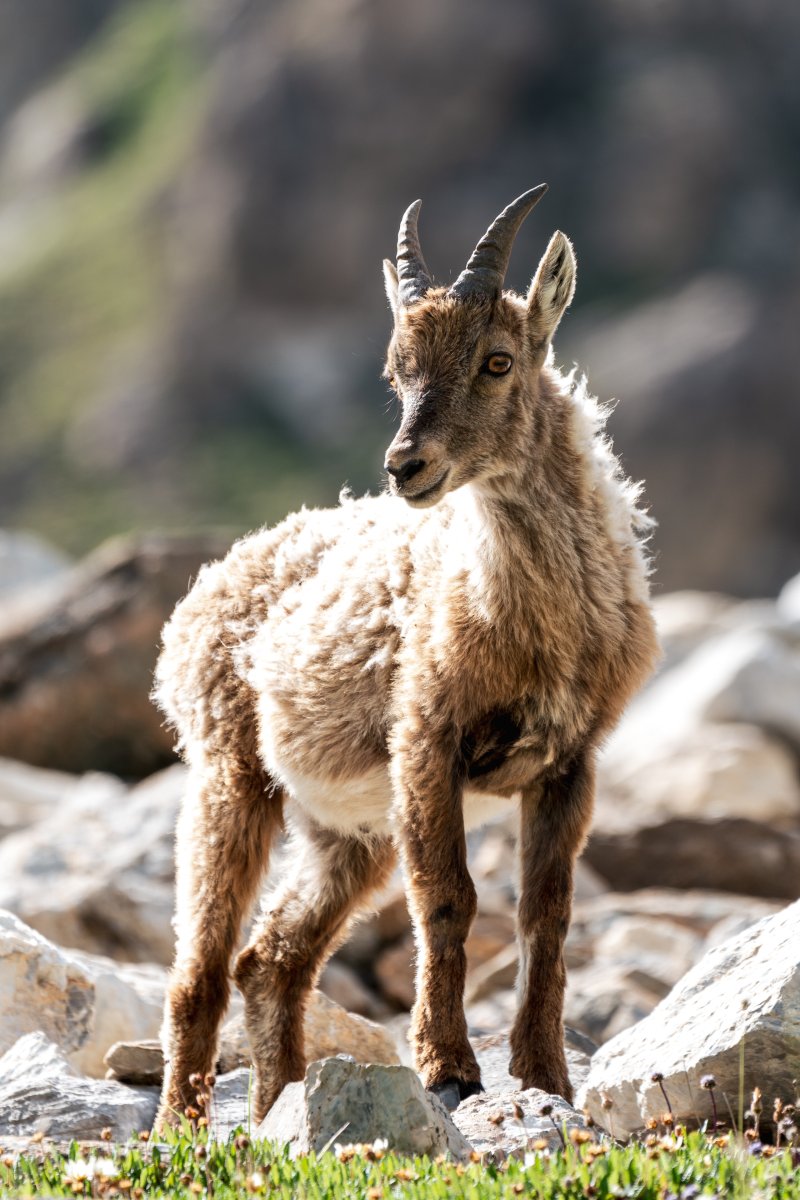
[[430, 494]]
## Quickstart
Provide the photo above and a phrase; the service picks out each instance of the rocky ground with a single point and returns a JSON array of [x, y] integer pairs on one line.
[[683, 943]]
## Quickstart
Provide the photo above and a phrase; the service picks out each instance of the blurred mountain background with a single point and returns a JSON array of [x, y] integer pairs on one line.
[[195, 198]]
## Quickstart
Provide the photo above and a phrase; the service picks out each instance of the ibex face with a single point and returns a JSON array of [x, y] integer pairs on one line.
[[465, 360]]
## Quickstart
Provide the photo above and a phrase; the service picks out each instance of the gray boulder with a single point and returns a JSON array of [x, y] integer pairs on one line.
[[343, 1101], [97, 874], [81, 1003], [743, 992], [40, 1092], [76, 667]]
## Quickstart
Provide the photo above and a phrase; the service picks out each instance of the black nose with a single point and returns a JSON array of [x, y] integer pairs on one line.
[[407, 470]]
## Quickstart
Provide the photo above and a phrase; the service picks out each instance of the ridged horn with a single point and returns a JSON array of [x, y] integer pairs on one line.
[[413, 276], [486, 269]]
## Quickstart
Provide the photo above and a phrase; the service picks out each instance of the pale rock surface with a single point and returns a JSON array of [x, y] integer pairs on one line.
[[329, 1030], [711, 771], [27, 560], [685, 619], [97, 874], [343, 1101], [749, 675], [80, 1003], [31, 794], [41, 1092], [789, 599], [341, 984], [604, 998], [748, 988], [488, 1123]]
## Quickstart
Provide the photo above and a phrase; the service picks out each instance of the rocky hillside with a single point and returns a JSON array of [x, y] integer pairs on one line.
[[680, 904], [194, 202]]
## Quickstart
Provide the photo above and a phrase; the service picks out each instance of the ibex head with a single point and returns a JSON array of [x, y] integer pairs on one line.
[[465, 360]]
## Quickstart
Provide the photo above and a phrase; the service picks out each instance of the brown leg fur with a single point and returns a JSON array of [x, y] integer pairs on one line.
[[555, 820], [277, 971], [443, 903], [226, 825]]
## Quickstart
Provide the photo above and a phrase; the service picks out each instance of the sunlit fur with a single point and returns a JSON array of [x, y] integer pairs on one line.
[[370, 674]]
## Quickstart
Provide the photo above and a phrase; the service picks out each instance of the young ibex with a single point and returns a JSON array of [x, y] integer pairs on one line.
[[381, 675]]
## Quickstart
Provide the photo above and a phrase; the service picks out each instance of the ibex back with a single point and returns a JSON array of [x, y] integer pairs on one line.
[[380, 675]]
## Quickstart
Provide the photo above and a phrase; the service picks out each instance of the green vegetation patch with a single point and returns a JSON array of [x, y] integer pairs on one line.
[[675, 1166], [88, 279]]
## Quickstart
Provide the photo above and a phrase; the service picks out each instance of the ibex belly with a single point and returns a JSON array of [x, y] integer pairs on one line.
[[364, 804]]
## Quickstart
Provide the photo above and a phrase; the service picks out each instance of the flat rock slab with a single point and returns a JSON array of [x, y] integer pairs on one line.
[[343, 1101], [490, 1123], [41, 1093], [745, 990]]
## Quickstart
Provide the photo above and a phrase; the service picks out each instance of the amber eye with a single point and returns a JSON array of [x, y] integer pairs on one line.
[[497, 364]]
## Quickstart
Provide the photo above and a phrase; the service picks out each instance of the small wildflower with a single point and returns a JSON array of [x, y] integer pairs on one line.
[[518, 1188], [405, 1175], [496, 1118], [546, 1109], [78, 1171], [708, 1082], [755, 1148], [667, 1119], [197, 1188], [474, 1156], [191, 1112], [242, 1141], [7, 1160], [38, 1136], [518, 1110], [541, 1144], [374, 1193], [144, 1135], [202, 1122], [195, 1079], [137, 1193], [605, 1101], [579, 1137], [652, 1123], [186, 1180], [210, 1079], [254, 1182], [125, 1185], [657, 1076], [200, 1152], [106, 1134]]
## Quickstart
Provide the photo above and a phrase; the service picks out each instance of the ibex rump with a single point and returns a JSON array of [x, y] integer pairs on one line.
[[382, 674]]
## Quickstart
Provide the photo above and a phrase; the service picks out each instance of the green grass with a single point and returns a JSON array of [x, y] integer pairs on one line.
[[88, 280], [668, 1167]]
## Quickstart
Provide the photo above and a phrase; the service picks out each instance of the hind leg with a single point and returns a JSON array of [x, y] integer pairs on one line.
[[224, 832], [308, 918]]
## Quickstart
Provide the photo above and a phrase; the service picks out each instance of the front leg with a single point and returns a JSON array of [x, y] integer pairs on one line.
[[555, 820], [441, 895]]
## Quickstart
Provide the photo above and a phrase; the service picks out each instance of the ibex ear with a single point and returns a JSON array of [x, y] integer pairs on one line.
[[551, 291], [391, 282]]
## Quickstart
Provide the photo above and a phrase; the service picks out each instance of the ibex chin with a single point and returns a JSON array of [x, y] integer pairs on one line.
[[381, 675]]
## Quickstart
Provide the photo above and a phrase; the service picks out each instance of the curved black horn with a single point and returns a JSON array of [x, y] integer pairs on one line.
[[413, 276], [486, 269]]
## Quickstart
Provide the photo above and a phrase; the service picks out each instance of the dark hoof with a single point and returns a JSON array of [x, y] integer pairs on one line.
[[452, 1091]]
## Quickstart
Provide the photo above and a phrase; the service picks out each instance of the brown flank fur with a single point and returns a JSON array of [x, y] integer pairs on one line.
[[372, 674]]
